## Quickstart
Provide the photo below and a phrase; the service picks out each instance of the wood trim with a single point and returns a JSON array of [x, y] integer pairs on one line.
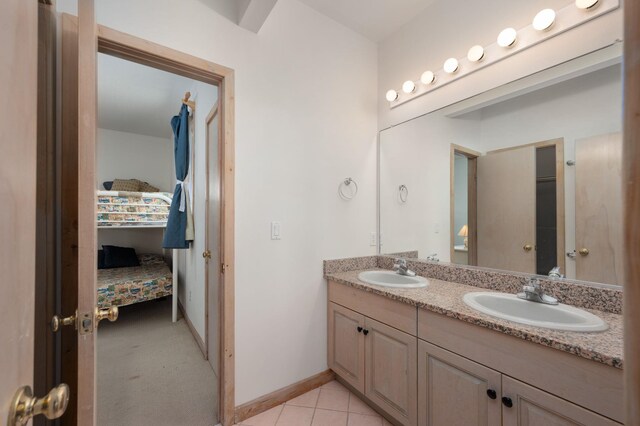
[[631, 179], [68, 193], [87, 230], [472, 213], [560, 207], [192, 329], [144, 52], [275, 398]]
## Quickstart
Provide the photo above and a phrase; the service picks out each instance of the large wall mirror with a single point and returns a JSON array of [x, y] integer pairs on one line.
[[523, 179]]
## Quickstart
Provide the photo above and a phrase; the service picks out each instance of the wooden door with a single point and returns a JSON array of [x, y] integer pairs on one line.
[[346, 345], [213, 243], [87, 229], [391, 371], [533, 407], [599, 209], [18, 85], [506, 225], [453, 390]]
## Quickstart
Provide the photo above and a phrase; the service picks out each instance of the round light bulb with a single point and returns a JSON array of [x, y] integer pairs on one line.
[[450, 65], [476, 53], [392, 95], [428, 77], [408, 86], [507, 37], [586, 4], [544, 20]]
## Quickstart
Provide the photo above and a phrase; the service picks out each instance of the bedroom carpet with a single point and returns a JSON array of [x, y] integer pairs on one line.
[[152, 372]]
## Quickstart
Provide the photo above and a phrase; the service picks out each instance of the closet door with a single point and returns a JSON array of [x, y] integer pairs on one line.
[[506, 210], [599, 197]]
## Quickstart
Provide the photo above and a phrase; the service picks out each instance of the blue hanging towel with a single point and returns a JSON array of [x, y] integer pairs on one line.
[[174, 235]]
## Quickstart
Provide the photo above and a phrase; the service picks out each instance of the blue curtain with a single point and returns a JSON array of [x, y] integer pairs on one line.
[[174, 235]]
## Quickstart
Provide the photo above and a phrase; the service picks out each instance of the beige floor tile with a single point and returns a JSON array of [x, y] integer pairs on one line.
[[331, 399], [295, 416], [267, 418], [329, 418], [364, 420], [308, 399], [335, 385], [356, 405]]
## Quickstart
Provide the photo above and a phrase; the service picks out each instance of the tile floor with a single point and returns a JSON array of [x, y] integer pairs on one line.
[[330, 405]]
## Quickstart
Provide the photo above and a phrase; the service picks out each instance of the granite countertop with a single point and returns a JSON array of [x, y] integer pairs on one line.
[[445, 298]]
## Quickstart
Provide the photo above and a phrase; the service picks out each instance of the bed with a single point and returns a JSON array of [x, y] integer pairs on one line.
[[125, 286], [153, 278]]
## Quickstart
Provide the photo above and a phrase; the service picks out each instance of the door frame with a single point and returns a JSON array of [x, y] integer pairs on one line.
[[472, 197], [134, 49], [125, 46]]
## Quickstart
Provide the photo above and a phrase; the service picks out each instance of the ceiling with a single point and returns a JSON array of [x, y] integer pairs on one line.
[[374, 19], [138, 99]]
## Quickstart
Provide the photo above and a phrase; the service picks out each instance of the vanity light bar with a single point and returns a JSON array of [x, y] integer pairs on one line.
[[509, 41]]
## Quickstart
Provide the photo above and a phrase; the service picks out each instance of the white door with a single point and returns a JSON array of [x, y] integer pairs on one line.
[[18, 85]]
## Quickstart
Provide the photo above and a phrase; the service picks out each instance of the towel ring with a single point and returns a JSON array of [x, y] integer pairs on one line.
[[344, 184], [403, 193]]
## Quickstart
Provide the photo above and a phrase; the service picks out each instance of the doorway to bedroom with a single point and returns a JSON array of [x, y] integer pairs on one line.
[[158, 232]]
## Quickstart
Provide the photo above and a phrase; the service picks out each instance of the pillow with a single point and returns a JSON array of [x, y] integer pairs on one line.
[[101, 264], [128, 185], [107, 185], [146, 186], [120, 257]]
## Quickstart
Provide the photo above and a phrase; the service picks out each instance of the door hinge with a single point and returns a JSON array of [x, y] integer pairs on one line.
[[223, 268]]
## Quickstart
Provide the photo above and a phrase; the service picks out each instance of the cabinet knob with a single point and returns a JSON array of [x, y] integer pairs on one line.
[[365, 331], [359, 329], [492, 394], [507, 401]]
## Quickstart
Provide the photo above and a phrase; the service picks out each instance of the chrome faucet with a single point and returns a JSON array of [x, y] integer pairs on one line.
[[400, 266], [532, 291], [433, 257], [555, 273]]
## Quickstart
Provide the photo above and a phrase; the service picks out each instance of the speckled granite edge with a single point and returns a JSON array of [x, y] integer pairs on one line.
[[349, 264], [445, 298], [571, 292]]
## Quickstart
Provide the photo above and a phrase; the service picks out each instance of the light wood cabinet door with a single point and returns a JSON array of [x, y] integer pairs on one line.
[[346, 344], [391, 370], [533, 407], [453, 391]]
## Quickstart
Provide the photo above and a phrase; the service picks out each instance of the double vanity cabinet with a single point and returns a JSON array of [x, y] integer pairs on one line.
[[424, 368]]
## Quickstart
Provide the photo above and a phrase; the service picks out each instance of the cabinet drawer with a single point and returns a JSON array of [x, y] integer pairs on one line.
[[396, 314]]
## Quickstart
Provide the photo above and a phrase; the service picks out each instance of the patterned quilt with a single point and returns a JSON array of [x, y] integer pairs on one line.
[[133, 209], [125, 286]]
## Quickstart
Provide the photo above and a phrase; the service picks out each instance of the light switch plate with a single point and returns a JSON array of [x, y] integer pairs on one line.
[[276, 231]]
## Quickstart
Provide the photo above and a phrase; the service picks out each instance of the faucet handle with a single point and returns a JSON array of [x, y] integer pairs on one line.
[[398, 262]]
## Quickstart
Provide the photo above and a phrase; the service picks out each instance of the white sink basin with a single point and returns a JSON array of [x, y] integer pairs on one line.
[[512, 308], [392, 279]]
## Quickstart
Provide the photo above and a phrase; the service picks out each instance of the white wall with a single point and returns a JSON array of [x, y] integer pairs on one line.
[[461, 197], [191, 264], [123, 155], [305, 119], [419, 150], [450, 28]]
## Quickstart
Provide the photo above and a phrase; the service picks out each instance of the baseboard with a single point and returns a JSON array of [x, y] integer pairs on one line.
[[273, 399], [195, 334]]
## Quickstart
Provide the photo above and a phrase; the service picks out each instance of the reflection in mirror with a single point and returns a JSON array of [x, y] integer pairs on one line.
[[527, 184]]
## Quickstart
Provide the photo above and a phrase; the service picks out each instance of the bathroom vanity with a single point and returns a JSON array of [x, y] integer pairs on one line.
[[424, 357]]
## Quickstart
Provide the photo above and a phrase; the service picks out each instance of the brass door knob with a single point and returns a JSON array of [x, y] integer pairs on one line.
[[24, 405], [527, 247], [206, 254], [583, 251], [111, 314], [57, 321]]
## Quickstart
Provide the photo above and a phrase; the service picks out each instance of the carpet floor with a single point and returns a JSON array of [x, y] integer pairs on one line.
[[152, 372]]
